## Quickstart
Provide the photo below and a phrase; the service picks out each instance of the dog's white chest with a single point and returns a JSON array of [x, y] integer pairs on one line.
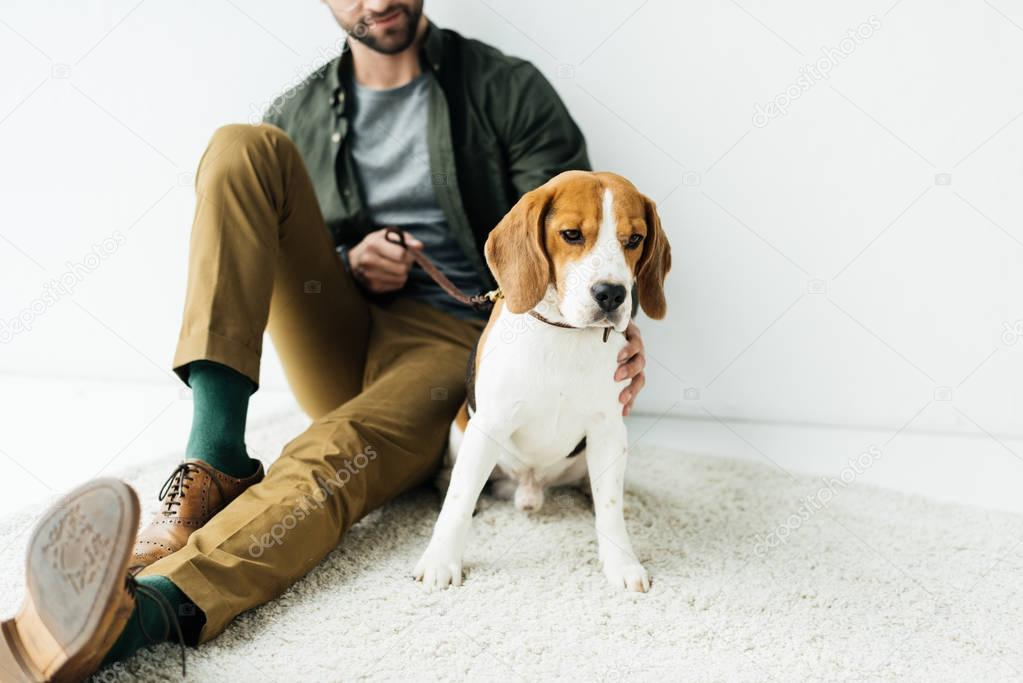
[[545, 389]]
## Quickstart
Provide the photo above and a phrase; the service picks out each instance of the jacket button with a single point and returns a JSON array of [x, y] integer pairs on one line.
[[336, 137]]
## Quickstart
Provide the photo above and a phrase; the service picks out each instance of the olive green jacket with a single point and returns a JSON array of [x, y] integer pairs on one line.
[[497, 129]]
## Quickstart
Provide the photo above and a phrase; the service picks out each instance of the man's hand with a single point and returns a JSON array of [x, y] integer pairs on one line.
[[631, 362], [379, 265]]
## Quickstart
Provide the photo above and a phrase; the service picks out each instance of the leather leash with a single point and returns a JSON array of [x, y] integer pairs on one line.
[[479, 302]]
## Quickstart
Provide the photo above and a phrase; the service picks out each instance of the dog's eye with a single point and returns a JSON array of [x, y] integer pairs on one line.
[[572, 236], [634, 241]]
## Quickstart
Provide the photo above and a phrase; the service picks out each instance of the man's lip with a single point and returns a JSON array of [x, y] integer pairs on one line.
[[387, 18]]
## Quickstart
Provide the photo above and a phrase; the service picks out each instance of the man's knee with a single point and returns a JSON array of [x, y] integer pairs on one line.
[[244, 137], [335, 447], [240, 148], [328, 466]]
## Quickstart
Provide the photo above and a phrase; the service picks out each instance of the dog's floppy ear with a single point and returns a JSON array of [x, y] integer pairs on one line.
[[516, 253], [653, 265]]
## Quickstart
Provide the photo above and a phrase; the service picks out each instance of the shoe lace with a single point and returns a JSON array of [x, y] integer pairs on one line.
[[137, 590], [173, 490]]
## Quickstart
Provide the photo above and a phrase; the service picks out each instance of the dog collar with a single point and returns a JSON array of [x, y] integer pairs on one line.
[[607, 330]]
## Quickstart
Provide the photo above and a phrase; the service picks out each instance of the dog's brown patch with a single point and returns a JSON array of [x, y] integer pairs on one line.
[[462, 417], [495, 313], [527, 250], [473, 366]]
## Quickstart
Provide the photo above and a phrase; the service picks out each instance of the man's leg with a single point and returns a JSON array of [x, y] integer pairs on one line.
[[351, 460], [220, 406], [260, 259]]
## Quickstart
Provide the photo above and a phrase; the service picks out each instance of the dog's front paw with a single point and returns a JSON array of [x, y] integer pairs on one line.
[[622, 570], [438, 568]]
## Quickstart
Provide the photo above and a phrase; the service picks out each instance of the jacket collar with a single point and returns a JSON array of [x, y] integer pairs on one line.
[[431, 54]]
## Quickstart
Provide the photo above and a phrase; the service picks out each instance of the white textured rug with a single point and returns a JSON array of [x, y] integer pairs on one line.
[[874, 586]]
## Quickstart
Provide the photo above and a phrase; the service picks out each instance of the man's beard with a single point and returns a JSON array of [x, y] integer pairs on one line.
[[396, 38]]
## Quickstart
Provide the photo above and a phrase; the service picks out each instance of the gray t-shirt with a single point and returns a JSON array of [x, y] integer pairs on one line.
[[389, 147]]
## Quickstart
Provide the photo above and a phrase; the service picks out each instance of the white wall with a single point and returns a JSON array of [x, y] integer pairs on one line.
[[839, 265]]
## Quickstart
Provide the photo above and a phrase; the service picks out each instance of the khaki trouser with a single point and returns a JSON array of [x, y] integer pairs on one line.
[[380, 383]]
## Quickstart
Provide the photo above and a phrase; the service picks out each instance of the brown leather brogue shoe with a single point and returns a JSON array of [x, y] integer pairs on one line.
[[192, 494], [78, 599]]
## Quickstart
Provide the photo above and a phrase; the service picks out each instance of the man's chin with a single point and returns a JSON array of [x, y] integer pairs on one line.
[[391, 39], [391, 43]]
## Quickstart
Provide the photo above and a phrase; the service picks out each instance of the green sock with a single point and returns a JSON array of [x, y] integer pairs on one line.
[[220, 397], [154, 621]]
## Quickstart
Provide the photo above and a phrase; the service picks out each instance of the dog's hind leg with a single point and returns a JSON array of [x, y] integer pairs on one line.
[[502, 487], [443, 478]]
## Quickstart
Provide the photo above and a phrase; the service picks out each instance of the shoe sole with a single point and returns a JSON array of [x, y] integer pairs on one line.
[[76, 603]]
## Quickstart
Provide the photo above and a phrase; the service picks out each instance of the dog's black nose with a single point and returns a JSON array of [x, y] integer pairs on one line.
[[608, 296]]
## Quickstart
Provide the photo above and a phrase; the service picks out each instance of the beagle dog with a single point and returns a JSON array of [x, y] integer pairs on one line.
[[542, 399]]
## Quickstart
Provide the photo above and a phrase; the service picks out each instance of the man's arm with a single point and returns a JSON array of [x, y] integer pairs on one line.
[[541, 138]]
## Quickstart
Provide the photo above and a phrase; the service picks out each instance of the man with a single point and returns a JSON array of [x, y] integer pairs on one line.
[[412, 126]]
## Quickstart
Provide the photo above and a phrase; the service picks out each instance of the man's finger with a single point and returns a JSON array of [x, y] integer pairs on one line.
[[381, 285], [628, 394], [388, 283], [396, 252], [390, 251], [630, 369], [388, 278], [629, 350], [413, 241], [375, 264]]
